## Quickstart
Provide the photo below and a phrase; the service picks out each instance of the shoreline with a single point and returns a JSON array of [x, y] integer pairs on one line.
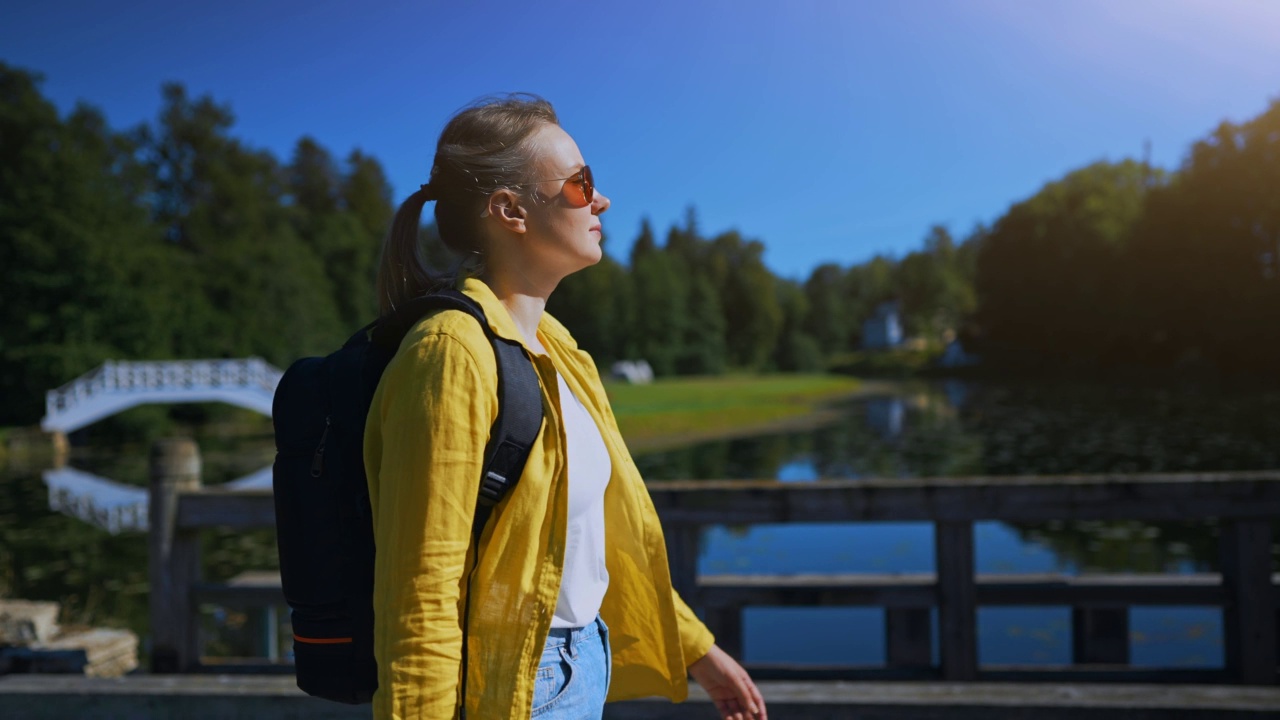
[[665, 415], [788, 409]]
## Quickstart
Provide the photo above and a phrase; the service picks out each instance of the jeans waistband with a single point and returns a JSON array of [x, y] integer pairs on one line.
[[572, 636]]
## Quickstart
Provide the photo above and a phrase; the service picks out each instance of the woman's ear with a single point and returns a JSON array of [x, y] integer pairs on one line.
[[504, 207]]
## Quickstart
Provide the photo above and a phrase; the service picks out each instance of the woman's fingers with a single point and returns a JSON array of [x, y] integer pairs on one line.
[[759, 701], [749, 695], [729, 710], [746, 696], [729, 685], [748, 700], [740, 706], [735, 709]]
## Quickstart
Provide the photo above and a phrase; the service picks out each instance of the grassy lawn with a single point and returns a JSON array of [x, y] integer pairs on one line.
[[681, 410]]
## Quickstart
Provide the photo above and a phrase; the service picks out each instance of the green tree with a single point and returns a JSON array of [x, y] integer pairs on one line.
[[594, 305], [343, 219], [684, 244], [746, 288], [660, 303], [254, 287], [866, 286], [365, 197], [366, 194], [796, 350], [702, 349], [313, 180], [1048, 269], [936, 287], [81, 271], [829, 320], [1205, 261], [701, 345]]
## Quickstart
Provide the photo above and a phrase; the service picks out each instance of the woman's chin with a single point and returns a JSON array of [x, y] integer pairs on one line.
[[594, 255], [587, 259]]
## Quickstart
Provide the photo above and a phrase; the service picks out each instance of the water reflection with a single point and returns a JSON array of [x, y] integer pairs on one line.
[[911, 434], [98, 501], [956, 428], [57, 540], [884, 415], [117, 507]]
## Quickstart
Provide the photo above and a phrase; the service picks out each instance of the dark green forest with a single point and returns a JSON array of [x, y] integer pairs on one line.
[[175, 239]]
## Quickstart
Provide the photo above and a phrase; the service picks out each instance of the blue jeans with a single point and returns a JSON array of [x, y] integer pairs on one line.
[[573, 675]]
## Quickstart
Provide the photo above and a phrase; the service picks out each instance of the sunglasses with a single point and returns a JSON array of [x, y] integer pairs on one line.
[[579, 188]]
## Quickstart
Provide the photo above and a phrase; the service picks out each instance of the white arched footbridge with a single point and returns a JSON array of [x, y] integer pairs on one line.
[[117, 386]]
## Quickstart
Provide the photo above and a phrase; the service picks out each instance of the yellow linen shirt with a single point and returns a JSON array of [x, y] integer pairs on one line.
[[424, 444]]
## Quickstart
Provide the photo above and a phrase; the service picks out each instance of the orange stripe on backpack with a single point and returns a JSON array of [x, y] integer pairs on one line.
[[322, 641]]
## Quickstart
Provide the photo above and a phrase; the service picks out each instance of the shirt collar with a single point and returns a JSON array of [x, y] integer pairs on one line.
[[500, 320]]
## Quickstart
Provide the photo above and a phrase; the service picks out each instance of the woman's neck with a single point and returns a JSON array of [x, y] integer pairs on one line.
[[524, 306]]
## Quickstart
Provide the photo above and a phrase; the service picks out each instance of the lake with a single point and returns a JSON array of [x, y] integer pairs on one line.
[[956, 428], [908, 430]]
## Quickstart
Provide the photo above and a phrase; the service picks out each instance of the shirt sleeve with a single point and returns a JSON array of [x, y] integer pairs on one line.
[[429, 425], [695, 638]]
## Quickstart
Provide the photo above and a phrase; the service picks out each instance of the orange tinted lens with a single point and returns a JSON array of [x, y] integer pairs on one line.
[[588, 184], [579, 189]]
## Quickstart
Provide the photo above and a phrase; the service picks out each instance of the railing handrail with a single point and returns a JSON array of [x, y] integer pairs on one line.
[[1163, 496], [1244, 494]]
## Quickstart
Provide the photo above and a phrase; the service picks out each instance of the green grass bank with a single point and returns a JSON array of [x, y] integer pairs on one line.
[[664, 414], [680, 411]]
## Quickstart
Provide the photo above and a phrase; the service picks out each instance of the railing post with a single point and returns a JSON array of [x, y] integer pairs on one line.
[[957, 599], [908, 637], [1100, 635], [265, 628], [682, 557], [726, 623], [173, 557], [1249, 616]]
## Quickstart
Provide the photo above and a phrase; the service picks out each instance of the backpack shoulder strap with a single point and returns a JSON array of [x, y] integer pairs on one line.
[[519, 395], [514, 431]]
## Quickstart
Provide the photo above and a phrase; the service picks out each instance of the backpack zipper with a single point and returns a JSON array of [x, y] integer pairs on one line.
[[317, 460]]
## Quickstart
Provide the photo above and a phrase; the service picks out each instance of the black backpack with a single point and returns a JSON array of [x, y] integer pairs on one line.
[[324, 529]]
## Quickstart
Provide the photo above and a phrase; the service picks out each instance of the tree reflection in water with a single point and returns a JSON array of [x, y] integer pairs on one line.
[[955, 429]]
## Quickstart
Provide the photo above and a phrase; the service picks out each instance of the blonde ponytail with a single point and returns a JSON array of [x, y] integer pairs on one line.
[[483, 148]]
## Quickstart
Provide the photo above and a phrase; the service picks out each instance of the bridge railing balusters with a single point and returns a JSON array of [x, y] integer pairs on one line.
[[206, 380]]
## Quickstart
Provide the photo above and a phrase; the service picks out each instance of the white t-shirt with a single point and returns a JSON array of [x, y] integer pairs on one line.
[[585, 577]]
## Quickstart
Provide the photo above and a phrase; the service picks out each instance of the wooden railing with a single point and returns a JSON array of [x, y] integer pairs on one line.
[[1245, 505]]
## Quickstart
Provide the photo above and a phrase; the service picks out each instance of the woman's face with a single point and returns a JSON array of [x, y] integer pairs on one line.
[[559, 237]]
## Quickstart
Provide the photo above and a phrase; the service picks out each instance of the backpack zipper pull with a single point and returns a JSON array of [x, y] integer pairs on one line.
[[317, 461]]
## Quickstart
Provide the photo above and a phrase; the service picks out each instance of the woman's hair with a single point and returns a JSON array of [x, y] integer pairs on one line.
[[486, 146]]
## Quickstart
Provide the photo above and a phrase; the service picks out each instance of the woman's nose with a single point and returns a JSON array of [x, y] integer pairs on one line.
[[599, 203]]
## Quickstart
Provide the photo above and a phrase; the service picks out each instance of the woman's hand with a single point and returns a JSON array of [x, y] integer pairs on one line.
[[729, 686]]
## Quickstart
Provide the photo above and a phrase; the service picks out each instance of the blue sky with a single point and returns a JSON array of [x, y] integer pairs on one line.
[[831, 130]]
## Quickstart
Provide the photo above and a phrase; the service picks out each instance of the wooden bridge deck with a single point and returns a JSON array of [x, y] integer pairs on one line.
[[231, 697]]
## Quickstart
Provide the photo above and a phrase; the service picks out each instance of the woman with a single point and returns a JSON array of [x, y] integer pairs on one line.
[[571, 596]]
